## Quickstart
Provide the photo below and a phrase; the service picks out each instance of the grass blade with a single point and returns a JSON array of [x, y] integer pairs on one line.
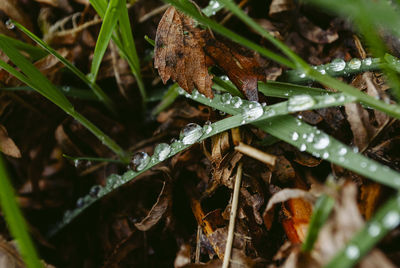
[[104, 37], [322, 210], [268, 113], [386, 219], [34, 53], [36, 80], [15, 221], [67, 90], [96, 89]]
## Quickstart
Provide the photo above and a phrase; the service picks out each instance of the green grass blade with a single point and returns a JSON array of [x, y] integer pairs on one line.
[[92, 159], [96, 89], [128, 43], [40, 82], [286, 90], [15, 221], [34, 53], [322, 210], [36, 80], [124, 41], [386, 219], [169, 97], [67, 90], [212, 8], [104, 37], [270, 112]]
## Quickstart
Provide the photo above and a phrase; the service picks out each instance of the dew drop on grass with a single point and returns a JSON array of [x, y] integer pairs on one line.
[[352, 252], [162, 151], [302, 75], [310, 137], [181, 91], [303, 147], [391, 219], [252, 111], [342, 151], [325, 155], [207, 128], [77, 163], [191, 133], [321, 142], [354, 64], [95, 190], [80, 202], [337, 65], [295, 136], [300, 102], [374, 229], [176, 145], [195, 94], [139, 161], [236, 102], [226, 98], [367, 61], [9, 24]]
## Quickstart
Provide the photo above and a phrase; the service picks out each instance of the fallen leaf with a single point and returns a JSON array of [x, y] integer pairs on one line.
[[7, 145], [279, 6], [158, 210], [179, 53], [314, 33]]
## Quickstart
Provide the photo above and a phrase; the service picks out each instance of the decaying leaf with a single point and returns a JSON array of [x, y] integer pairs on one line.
[[179, 53], [7, 145], [316, 34], [183, 52], [158, 209], [278, 6]]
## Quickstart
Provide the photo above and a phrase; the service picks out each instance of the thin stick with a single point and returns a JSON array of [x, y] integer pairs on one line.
[[198, 244], [264, 157], [231, 228]]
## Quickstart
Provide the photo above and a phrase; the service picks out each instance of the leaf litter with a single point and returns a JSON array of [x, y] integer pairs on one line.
[[154, 221]]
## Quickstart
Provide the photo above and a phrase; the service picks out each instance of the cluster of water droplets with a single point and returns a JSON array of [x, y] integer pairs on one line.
[[341, 67]]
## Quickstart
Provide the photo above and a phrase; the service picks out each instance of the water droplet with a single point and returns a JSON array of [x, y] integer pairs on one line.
[[225, 78], [214, 4], [66, 88], [236, 101], [207, 128], [94, 191], [391, 219], [139, 161], [252, 111], [363, 164], [321, 142], [325, 155], [181, 91], [195, 94], [300, 102], [373, 168], [162, 151], [355, 149], [310, 137], [352, 252], [337, 65], [329, 99], [374, 229], [226, 98], [302, 75], [295, 136], [80, 202], [303, 147], [176, 145], [191, 133], [321, 69], [77, 163], [354, 64], [342, 151], [9, 24], [367, 61]]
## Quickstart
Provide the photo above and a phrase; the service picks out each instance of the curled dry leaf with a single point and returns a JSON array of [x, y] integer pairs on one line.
[[7, 145], [179, 53], [278, 6], [158, 210]]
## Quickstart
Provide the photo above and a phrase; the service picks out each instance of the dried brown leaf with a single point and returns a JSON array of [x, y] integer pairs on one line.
[[316, 34], [158, 210], [179, 53], [7, 145]]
